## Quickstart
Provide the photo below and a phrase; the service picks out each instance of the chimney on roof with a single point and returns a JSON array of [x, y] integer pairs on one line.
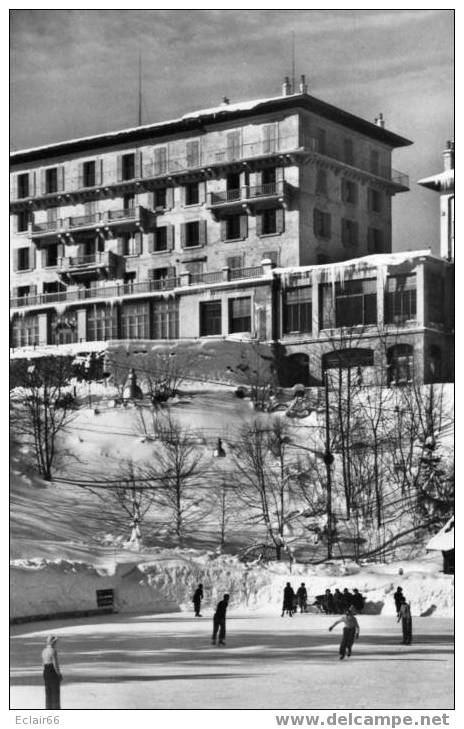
[[286, 87], [448, 156], [225, 101], [380, 121], [303, 84]]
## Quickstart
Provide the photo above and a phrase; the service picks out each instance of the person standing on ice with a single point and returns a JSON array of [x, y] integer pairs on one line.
[[398, 598], [197, 598], [219, 621], [51, 673], [288, 605], [302, 597], [350, 632], [404, 615]]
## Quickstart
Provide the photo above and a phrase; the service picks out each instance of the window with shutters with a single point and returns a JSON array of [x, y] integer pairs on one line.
[[160, 160], [89, 174], [240, 315], [348, 151], [192, 150], [233, 227], [22, 292], [269, 222], [233, 145], [321, 182], [23, 218], [23, 185], [321, 141], [269, 138], [165, 319], [160, 242], [349, 192], [128, 166], [322, 227], [234, 262], [192, 234], [374, 240], [25, 331], [297, 311], [51, 255], [210, 318], [24, 259], [349, 232], [130, 244], [51, 180], [233, 186], [53, 287], [135, 321], [159, 198], [192, 193], [374, 162], [374, 200], [400, 299], [102, 323], [355, 302]]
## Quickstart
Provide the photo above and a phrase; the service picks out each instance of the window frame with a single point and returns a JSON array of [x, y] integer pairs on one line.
[[206, 326]]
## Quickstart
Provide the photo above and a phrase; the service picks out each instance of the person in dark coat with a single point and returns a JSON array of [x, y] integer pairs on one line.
[[197, 598], [398, 598], [302, 597], [52, 674], [219, 621], [350, 632], [328, 602], [358, 600], [289, 600], [347, 599], [337, 601], [404, 615]]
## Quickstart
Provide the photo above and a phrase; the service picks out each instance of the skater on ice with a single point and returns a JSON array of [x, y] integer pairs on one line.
[[52, 674], [288, 605], [350, 632], [197, 598], [219, 621], [398, 598], [302, 597], [404, 615]]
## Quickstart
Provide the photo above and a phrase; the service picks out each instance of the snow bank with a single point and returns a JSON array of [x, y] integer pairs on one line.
[[166, 584]]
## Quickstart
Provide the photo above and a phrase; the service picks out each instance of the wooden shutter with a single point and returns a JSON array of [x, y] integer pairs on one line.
[[280, 220], [202, 192], [151, 242], [182, 235], [32, 184], [43, 182], [259, 224], [202, 232], [233, 145], [160, 160], [279, 174], [316, 222], [138, 243], [151, 200], [344, 231], [243, 226], [14, 187], [269, 138], [138, 164], [15, 292], [223, 229], [328, 225], [169, 198], [119, 168], [60, 177], [60, 250], [193, 153], [170, 237], [99, 171], [171, 272], [43, 258], [120, 246], [15, 259], [33, 290]]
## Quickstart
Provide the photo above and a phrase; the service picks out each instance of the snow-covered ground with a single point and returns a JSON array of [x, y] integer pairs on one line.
[[166, 662]]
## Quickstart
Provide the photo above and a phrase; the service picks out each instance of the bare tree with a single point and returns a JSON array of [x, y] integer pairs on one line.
[[42, 409]]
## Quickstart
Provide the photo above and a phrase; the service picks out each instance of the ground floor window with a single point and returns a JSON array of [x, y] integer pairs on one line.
[[400, 361], [102, 323], [352, 303], [210, 318], [165, 315], [400, 299], [25, 331], [135, 321], [298, 310], [240, 315], [63, 328]]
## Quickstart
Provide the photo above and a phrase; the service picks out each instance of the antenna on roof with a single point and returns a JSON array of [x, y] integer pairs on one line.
[[140, 90], [293, 61]]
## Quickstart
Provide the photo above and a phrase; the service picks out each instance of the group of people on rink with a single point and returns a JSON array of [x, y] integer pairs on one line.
[[337, 602], [292, 600]]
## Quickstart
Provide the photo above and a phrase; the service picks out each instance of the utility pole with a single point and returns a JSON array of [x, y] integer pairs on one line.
[[328, 460]]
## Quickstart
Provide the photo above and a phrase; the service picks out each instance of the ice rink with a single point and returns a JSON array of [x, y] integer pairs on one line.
[[167, 662]]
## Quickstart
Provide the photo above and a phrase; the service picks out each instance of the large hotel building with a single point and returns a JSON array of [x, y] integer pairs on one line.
[[269, 219]]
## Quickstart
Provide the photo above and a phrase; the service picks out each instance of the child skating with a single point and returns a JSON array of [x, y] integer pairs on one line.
[[350, 632]]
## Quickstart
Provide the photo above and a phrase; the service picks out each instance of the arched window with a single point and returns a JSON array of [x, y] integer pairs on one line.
[[400, 361]]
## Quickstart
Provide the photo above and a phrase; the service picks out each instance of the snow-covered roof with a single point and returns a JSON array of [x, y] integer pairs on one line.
[[444, 539], [441, 181], [192, 119], [373, 260]]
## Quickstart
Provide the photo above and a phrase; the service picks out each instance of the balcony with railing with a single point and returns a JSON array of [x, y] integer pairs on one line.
[[81, 264], [105, 263], [271, 193], [126, 218]]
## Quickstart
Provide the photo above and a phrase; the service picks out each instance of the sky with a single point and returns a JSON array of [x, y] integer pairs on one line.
[[75, 72]]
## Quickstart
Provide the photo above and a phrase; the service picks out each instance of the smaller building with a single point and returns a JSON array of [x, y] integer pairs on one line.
[[444, 542], [443, 183]]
